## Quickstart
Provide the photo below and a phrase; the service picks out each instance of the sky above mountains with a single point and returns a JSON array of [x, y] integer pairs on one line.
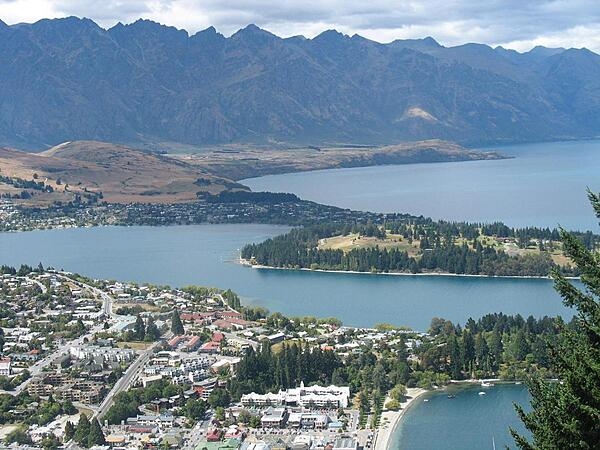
[[515, 24]]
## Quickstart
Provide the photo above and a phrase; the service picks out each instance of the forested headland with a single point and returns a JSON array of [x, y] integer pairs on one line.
[[418, 245]]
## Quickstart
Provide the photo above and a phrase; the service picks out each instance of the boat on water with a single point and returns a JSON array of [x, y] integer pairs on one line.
[[481, 393], [451, 396], [486, 383]]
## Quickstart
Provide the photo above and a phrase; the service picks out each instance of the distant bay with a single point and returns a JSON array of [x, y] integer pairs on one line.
[[205, 254], [543, 185]]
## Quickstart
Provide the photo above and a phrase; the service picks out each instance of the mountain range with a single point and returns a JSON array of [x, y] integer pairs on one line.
[[152, 85]]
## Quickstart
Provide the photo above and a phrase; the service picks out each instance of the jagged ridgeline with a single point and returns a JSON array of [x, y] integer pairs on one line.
[[419, 245], [70, 79]]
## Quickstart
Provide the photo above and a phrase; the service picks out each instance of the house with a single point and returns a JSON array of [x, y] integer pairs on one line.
[[193, 344], [214, 435], [276, 338], [5, 369], [274, 418], [211, 347], [316, 421]]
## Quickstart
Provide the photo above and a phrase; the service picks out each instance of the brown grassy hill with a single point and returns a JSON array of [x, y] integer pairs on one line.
[[121, 173], [239, 162]]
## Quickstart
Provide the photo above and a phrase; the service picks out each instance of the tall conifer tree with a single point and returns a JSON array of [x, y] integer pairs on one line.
[[566, 414]]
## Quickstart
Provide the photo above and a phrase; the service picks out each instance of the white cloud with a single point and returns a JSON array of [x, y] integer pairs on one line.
[[513, 23]]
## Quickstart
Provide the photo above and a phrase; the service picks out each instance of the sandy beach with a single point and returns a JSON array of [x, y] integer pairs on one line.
[[391, 419]]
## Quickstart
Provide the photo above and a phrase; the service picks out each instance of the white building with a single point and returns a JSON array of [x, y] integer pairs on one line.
[[5, 369], [307, 397]]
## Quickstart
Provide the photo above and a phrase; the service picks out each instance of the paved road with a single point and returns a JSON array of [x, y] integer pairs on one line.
[[135, 370], [42, 286], [37, 368], [106, 299]]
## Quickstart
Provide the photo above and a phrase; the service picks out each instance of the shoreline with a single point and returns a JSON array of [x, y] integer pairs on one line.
[[384, 435], [247, 263], [394, 418]]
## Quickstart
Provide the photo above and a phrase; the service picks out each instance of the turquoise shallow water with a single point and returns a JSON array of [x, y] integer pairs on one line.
[[544, 185], [467, 422]]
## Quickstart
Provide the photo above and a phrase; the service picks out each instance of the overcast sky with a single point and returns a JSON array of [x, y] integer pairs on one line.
[[518, 24]]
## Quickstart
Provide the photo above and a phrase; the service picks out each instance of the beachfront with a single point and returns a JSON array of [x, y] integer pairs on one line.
[[391, 419]]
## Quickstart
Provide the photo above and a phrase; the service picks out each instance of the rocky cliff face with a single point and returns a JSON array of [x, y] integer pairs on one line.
[[68, 79]]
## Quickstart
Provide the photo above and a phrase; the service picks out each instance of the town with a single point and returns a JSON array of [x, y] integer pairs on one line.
[[105, 364]]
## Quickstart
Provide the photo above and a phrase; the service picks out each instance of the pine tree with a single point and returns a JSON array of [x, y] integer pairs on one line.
[[152, 331], [566, 414], [96, 436], [176, 325], [69, 431], [82, 430], [139, 329]]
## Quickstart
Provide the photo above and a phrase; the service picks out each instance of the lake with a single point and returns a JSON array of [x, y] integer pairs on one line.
[[544, 185], [205, 254], [468, 422]]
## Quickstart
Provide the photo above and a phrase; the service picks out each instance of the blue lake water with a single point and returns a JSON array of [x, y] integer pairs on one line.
[[469, 421], [204, 254], [544, 185]]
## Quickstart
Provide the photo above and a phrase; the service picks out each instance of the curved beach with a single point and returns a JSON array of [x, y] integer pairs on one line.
[[387, 427]]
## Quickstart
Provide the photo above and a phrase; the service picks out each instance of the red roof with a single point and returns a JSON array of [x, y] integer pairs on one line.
[[196, 316], [230, 314], [213, 435], [223, 324], [218, 337], [211, 345], [174, 341]]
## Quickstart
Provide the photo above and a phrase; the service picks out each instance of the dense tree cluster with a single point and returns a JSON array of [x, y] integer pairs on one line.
[[267, 370], [439, 249], [21, 183], [87, 433], [495, 345], [47, 410], [126, 404], [143, 331], [249, 197]]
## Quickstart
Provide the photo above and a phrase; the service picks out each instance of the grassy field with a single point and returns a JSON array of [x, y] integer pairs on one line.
[[355, 241], [134, 345], [352, 241]]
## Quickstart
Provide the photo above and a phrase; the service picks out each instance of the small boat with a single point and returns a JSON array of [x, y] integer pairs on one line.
[[486, 384], [481, 393], [518, 382], [426, 400], [451, 396]]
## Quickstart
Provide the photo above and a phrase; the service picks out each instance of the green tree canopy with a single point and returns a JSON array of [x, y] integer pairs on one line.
[[83, 430], [69, 431], [566, 414], [96, 436], [176, 325]]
